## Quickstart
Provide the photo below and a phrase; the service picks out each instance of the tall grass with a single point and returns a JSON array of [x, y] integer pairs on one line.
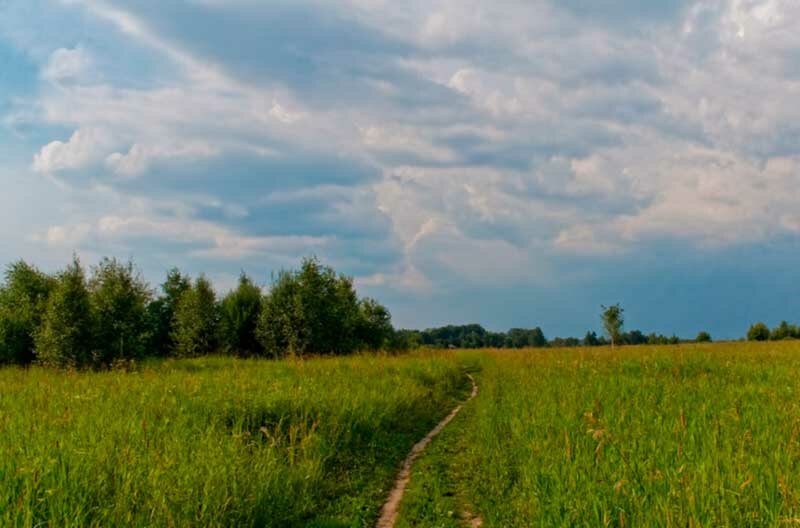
[[690, 435], [214, 441]]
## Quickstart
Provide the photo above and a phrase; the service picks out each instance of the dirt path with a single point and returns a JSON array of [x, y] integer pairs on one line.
[[390, 507]]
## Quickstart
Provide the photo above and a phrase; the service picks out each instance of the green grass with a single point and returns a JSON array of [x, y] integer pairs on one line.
[[214, 441], [690, 435], [705, 435]]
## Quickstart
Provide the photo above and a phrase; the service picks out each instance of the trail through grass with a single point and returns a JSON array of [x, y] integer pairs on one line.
[[690, 435], [215, 441], [641, 436]]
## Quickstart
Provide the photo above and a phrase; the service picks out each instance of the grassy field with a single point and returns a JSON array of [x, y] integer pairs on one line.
[[690, 435], [214, 442]]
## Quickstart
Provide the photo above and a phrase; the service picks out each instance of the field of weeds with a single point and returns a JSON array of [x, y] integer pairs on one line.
[[214, 441], [689, 435]]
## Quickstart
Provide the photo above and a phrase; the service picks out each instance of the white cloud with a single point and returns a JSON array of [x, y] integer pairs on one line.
[[212, 240], [84, 146], [65, 64], [504, 135], [140, 157]]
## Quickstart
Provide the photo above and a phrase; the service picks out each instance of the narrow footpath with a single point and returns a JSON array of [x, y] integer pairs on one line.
[[391, 506]]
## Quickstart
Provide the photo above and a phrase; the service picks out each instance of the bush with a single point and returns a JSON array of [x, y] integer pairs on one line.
[[196, 321], [23, 300], [65, 336], [239, 313], [758, 332], [119, 299], [703, 337]]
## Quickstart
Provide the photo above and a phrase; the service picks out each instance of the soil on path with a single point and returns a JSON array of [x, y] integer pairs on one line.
[[390, 507]]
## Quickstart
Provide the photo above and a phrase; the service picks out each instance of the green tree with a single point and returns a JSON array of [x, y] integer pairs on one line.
[[758, 332], [590, 339], [613, 321], [374, 329], [239, 313], [404, 340], [310, 311], [64, 338], [119, 299], [703, 337], [23, 300], [783, 331], [161, 313], [195, 326]]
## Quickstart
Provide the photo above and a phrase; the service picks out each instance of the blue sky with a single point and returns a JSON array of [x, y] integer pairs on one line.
[[512, 163]]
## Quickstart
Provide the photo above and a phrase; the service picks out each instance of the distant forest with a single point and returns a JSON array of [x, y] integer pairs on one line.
[[476, 336]]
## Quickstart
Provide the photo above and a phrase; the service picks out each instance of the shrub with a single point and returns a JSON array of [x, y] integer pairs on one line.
[[65, 336]]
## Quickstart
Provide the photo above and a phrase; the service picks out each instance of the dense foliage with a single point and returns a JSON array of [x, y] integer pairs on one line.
[[239, 313], [114, 317], [65, 336], [196, 319], [23, 300], [119, 298], [312, 310]]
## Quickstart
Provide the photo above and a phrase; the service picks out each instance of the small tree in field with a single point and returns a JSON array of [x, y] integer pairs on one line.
[[195, 327], [613, 322], [65, 336]]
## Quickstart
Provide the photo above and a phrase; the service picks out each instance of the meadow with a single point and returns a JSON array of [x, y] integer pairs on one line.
[[214, 441], [686, 435]]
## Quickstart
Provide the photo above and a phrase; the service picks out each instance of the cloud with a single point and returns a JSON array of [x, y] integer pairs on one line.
[[423, 146], [83, 147], [139, 157], [65, 64]]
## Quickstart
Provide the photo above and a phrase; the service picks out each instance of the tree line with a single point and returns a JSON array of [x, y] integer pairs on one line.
[[761, 332], [76, 319], [475, 336]]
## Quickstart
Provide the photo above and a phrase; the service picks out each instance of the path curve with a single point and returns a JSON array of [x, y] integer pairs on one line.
[[390, 507]]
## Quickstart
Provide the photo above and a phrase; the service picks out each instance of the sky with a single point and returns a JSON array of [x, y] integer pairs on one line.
[[509, 163]]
